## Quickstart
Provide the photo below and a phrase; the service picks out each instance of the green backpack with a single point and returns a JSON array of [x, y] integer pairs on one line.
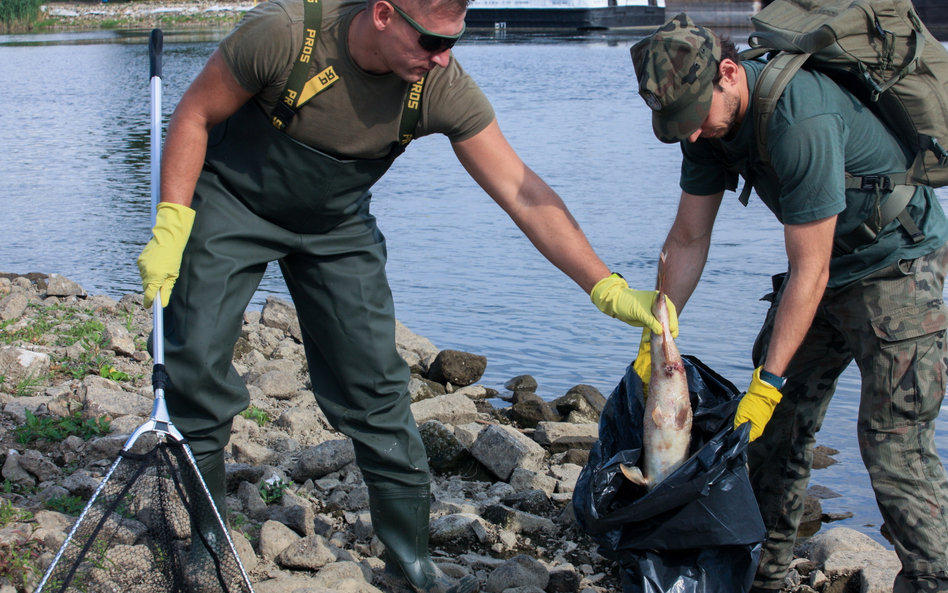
[[880, 51]]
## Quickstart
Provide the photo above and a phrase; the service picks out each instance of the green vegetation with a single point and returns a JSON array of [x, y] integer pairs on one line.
[[19, 15], [67, 505], [30, 385], [69, 327], [272, 492], [10, 514], [256, 415], [18, 560], [57, 429]]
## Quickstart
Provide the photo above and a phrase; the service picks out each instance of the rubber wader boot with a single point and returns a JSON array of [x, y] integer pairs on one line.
[[400, 520], [205, 530]]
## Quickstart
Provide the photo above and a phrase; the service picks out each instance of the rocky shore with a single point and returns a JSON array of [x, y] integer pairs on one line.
[[75, 382], [143, 14]]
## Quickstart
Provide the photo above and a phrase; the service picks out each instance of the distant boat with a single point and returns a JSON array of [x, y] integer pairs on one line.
[[565, 14]]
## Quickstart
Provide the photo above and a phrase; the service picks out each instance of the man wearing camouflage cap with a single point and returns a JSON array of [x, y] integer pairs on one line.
[[878, 302]]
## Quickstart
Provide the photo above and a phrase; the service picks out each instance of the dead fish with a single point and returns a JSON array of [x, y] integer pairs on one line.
[[667, 422]]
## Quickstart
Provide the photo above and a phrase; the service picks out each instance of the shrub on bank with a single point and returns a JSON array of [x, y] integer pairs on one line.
[[19, 15]]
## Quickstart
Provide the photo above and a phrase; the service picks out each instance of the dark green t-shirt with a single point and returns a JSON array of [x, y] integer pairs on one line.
[[359, 115], [818, 132]]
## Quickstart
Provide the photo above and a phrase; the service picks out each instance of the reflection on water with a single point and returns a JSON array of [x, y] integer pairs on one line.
[[74, 199]]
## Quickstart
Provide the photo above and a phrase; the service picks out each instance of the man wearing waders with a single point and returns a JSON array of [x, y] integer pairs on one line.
[[880, 305], [269, 157]]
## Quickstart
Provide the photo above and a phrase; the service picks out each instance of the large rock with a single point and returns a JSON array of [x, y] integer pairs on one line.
[[278, 384], [309, 553], [102, 397], [417, 351], [457, 368], [519, 571], [518, 521], [61, 286], [324, 458], [529, 409], [582, 404], [445, 452], [11, 307], [839, 539], [117, 339], [449, 409], [281, 314], [502, 449], [561, 436], [20, 364]]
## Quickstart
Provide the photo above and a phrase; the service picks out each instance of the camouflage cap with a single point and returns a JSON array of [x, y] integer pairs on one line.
[[675, 67]]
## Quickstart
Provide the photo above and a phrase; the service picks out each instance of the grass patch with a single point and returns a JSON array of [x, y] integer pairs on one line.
[[67, 505], [256, 415], [56, 429], [19, 15], [18, 559], [272, 492], [11, 514]]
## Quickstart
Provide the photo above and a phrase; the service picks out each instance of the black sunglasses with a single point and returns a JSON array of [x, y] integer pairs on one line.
[[431, 42]]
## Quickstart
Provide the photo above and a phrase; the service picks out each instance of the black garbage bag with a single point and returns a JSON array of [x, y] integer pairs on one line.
[[699, 530]]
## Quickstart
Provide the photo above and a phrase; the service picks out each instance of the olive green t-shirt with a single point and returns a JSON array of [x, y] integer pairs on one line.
[[359, 115], [818, 132]]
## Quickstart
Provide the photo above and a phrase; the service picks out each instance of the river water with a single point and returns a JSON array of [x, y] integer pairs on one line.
[[74, 200]]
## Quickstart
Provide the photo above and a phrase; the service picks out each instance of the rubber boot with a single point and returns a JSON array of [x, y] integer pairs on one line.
[[400, 519], [205, 530]]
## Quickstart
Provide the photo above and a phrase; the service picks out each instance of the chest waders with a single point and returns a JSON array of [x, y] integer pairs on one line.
[[264, 197]]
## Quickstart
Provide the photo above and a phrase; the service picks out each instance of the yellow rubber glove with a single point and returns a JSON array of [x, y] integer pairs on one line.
[[757, 405], [160, 261], [613, 297], [643, 360]]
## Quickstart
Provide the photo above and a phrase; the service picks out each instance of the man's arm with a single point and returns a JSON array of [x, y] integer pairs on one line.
[[687, 244], [212, 97], [809, 247], [536, 209]]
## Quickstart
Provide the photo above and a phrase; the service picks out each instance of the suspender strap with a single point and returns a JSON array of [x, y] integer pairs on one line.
[[894, 208], [411, 112], [770, 85], [298, 89]]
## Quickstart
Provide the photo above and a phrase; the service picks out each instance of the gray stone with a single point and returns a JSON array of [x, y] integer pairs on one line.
[[419, 390], [467, 433], [449, 409], [17, 408], [251, 453], [254, 506], [502, 449], [519, 571], [566, 476], [14, 472], [562, 436], [235, 473], [80, 483], [878, 575], [278, 384], [445, 452], [850, 562], [300, 421], [458, 368], [521, 383], [583, 399], [20, 364], [564, 581], [244, 550], [280, 314], [61, 286], [12, 306], [453, 530], [407, 340], [524, 480], [518, 521], [529, 409], [323, 459], [310, 553], [274, 538], [102, 399], [535, 502], [37, 464], [118, 339], [839, 539]]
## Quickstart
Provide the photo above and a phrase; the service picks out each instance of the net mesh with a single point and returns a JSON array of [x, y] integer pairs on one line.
[[150, 529]]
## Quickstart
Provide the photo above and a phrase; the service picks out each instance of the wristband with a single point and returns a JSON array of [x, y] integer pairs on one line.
[[772, 379]]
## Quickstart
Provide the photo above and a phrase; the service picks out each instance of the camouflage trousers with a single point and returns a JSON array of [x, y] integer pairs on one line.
[[892, 323]]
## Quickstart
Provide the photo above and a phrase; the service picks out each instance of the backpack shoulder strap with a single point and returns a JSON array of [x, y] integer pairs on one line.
[[773, 79]]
